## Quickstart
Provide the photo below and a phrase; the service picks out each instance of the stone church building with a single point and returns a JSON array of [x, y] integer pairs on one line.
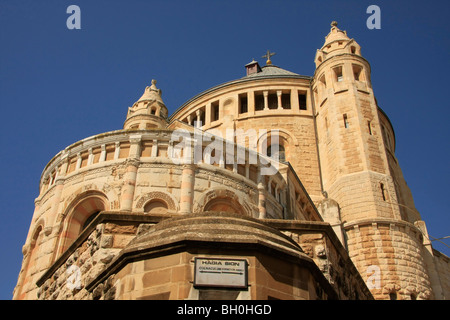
[[271, 186]]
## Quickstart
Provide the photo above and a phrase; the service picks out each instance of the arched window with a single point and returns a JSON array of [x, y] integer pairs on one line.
[[156, 206], [276, 152], [83, 212], [224, 205]]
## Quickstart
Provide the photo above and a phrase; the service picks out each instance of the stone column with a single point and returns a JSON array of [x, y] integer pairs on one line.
[[266, 100], [279, 93], [295, 106], [103, 153], [78, 161], [90, 157], [117, 150], [208, 115], [129, 180], [251, 103], [187, 188], [261, 201], [154, 148], [198, 114]]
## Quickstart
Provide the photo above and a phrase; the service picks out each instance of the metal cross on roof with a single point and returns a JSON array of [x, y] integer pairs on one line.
[[268, 55]]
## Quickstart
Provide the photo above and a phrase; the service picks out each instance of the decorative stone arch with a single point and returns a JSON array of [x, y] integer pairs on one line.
[[78, 214], [286, 139], [157, 196], [222, 200]]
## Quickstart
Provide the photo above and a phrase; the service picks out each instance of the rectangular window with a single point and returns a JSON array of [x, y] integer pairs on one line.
[[369, 127], [286, 100], [346, 124], [243, 103], [259, 101], [357, 72], [338, 74], [273, 101], [302, 101], [215, 110]]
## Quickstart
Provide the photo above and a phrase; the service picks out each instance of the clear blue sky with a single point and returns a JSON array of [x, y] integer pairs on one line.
[[58, 86]]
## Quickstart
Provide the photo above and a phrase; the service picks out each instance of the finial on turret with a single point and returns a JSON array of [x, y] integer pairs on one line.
[[334, 24]]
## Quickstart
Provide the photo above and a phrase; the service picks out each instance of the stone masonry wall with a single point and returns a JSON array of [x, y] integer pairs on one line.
[[394, 253]]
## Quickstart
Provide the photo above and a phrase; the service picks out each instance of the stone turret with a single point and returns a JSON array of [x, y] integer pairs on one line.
[[149, 112], [361, 175]]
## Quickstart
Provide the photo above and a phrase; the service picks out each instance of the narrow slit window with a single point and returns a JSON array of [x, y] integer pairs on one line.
[[369, 126], [383, 191], [346, 124]]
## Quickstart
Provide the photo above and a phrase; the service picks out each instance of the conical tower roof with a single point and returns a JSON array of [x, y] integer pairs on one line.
[[152, 93], [335, 34]]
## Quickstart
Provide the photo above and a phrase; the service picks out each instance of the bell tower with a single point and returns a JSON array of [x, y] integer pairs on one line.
[[360, 173]]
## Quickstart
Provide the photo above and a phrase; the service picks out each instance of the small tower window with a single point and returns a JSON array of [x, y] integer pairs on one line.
[[383, 192], [322, 79], [346, 124], [393, 296], [357, 72], [369, 127], [338, 74], [353, 49]]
